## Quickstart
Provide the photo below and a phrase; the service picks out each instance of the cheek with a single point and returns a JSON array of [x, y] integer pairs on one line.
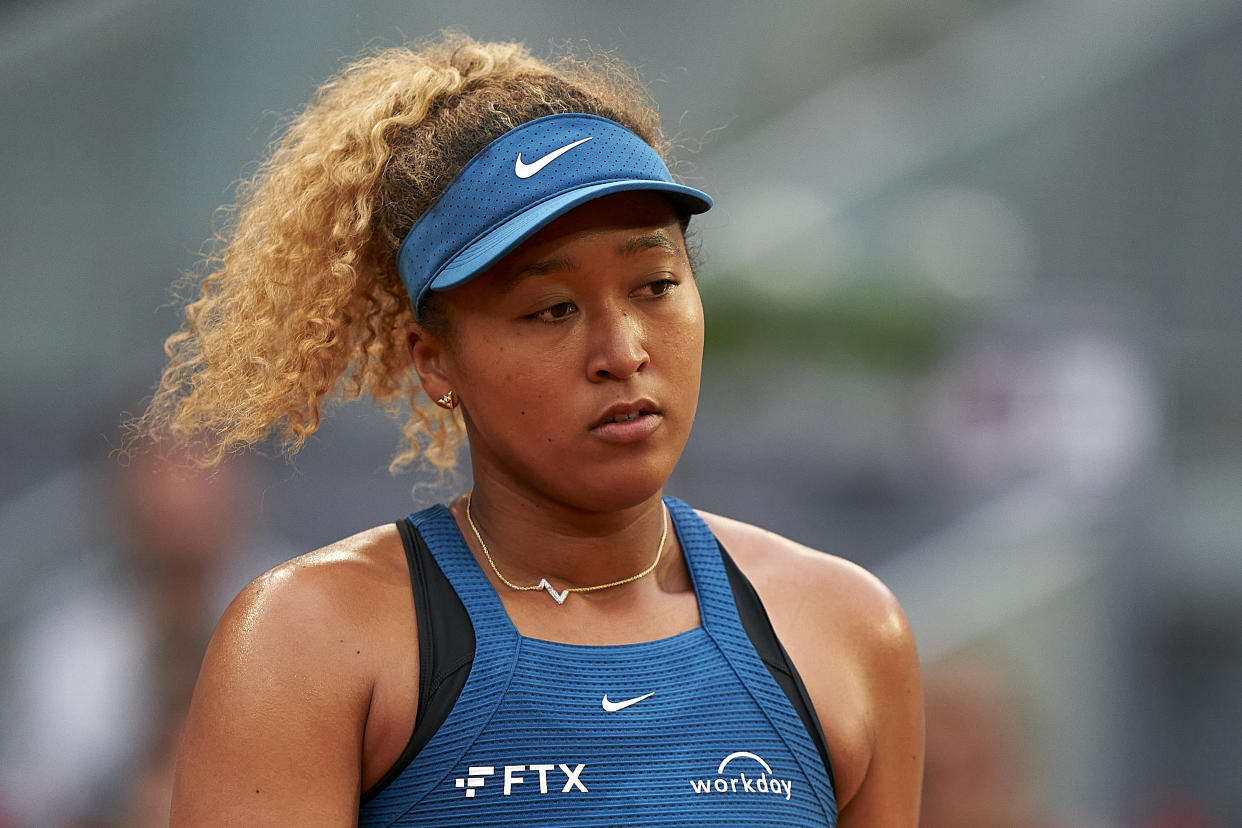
[[687, 337], [504, 389]]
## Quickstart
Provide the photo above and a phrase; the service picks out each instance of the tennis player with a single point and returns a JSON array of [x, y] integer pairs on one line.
[[496, 242]]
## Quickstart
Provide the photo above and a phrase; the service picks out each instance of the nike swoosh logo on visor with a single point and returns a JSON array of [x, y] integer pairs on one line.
[[613, 707], [527, 170]]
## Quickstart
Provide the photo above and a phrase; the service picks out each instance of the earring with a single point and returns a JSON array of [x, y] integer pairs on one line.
[[447, 401]]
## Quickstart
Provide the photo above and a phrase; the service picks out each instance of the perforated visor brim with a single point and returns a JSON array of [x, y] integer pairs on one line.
[[501, 240]]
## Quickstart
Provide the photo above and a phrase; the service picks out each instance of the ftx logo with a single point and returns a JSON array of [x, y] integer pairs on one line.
[[477, 775]]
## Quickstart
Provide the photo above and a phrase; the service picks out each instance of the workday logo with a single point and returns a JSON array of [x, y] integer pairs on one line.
[[759, 780]]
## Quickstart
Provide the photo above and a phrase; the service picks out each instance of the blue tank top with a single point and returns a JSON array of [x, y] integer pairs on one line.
[[686, 730]]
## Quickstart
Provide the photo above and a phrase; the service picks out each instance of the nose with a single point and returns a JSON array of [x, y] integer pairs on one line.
[[618, 347]]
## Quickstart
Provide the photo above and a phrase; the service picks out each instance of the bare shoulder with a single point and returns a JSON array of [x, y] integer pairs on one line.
[[331, 588], [286, 688], [367, 557], [369, 560], [811, 579], [319, 618]]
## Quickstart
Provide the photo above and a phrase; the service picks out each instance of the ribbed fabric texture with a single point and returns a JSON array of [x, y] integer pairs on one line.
[[529, 742]]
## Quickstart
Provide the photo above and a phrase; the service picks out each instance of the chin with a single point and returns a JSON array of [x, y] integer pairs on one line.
[[611, 491]]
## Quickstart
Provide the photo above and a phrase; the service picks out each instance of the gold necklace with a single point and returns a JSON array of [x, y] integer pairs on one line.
[[560, 597]]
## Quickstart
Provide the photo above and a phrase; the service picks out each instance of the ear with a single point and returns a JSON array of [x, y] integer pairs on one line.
[[429, 357]]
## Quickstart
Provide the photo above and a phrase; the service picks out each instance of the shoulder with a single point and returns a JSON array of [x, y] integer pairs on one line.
[[366, 561], [289, 684], [808, 578], [849, 638], [332, 587], [827, 611], [318, 618]]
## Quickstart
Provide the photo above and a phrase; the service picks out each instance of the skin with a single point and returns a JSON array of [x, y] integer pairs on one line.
[[308, 691]]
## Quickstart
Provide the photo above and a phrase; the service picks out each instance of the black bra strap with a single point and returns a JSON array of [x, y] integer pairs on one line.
[[445, 648], [759, 628]]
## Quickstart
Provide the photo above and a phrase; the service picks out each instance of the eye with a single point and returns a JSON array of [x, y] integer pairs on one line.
[[659, 287], [554, 313]]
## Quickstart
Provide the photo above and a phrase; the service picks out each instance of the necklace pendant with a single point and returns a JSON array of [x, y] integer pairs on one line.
[[559, 597]]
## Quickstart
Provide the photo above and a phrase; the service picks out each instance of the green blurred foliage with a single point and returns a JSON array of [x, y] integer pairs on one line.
[[878, 321]]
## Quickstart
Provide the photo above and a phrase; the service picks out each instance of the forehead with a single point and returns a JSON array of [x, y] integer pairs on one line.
[[618, 225], [615, 216]]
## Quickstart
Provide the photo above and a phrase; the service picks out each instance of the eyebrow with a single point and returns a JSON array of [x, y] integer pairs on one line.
[[539, 268], [655, 240]]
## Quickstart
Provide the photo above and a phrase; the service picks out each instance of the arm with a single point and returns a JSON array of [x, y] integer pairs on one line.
[[890, 787], [275, 730]]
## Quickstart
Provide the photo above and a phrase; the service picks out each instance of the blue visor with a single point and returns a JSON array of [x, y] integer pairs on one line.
[[521, 182]]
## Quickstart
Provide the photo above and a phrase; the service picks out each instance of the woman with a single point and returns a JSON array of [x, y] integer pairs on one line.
[[496, 240]]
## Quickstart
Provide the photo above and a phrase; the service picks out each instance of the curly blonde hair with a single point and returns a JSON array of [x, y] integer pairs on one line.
[[300, 302]]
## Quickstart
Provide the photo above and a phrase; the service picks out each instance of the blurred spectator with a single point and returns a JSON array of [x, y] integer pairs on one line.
[[1180, 811], [979, 763], [101, 670]]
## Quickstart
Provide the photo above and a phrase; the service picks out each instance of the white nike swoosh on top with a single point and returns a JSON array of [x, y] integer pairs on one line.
[[527, 170], [613, 707]]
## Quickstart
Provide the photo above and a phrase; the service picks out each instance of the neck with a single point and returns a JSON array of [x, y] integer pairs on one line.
[[570, 547]]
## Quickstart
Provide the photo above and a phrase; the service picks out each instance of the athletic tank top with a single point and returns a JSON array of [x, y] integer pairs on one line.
[[692, 729]]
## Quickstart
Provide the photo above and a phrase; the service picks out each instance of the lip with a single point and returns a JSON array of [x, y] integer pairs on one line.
[[628, 430]]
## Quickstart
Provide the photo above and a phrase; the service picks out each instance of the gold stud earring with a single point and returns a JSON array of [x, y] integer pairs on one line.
[[447, 401]]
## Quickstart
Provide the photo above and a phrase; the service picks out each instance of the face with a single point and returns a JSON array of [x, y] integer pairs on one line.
[[577, 358]]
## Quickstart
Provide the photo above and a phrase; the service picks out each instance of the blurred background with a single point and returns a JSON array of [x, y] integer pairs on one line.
[[969, 325]]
